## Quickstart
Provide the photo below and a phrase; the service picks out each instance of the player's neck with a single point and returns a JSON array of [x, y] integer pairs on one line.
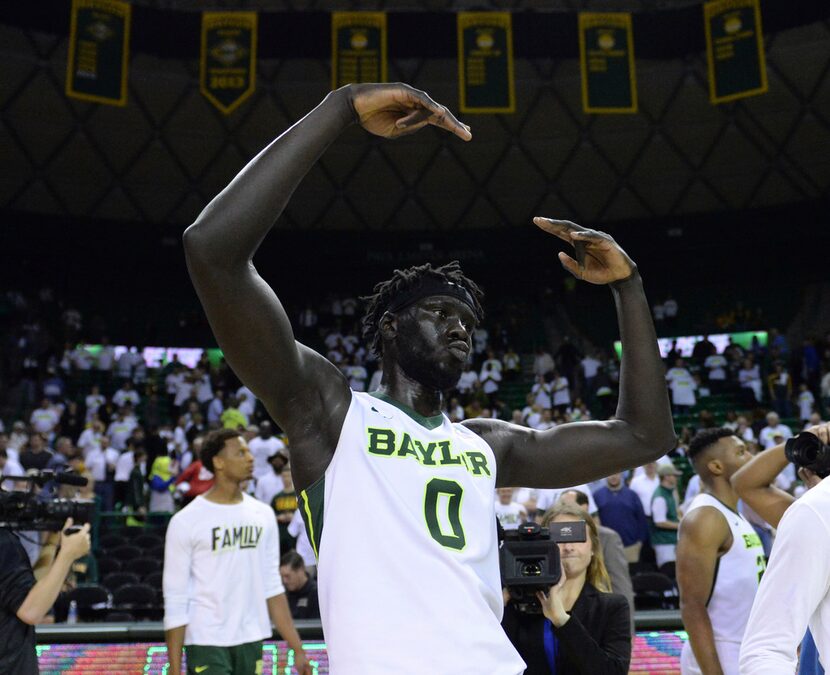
[[723, 492], [224, 491], [399, 386]]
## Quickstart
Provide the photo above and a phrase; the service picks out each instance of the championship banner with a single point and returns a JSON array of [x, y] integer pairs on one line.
[[606, 59], [227, 71], [485, 62], [734, 49], [358, 47], [99, 38]]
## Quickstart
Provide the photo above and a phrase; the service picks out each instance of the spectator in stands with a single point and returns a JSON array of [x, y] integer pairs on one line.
[[703, 349], [749, 377], [590, 369], [18, 437], [35, 455], [613, 552], [665, 515], [620, 508], [246, 402], [682, 387], [541, 391], [72, 421], [9, 467], [670, 309], [542, 363], [301, 590], [510, 514], [124, 368], [356, 374], [490, 376], [545, 421], [263, 447], [780, 387], [126, 394], [560, 390], [101, 461], [270, 484], [93, 401], [512, 365], [104, 361], [774, 428], [719, 558], [467, 382], [60, 457], [121, 427], [194, 480], [588, 627], [135, 497], [716, 365], [215, 409], [806, 402], [284, 505], [54, 387], [45, 418], [91, 436], [161, 477], [454, 410], [233, 417]]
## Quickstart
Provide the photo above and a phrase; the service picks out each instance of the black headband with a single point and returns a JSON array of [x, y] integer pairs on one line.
[[428, 286]]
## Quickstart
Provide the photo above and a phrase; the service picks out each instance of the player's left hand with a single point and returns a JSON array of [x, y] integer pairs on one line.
[[301, 663], [599, 259]]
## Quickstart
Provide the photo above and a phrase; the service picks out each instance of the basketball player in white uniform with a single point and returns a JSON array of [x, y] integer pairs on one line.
[[720, 559], [398, 501]]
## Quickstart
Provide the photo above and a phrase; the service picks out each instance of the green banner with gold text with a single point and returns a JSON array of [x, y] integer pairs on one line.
[[734, 49], [227, 73], [358, 47], [99, 38], [485, 62], [606, 59]]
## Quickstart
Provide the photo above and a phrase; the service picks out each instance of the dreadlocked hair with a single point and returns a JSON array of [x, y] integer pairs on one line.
[[404, 280]]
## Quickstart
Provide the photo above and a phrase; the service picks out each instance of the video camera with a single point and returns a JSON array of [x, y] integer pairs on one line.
[[529, 560], [24, 510], [806, 450]]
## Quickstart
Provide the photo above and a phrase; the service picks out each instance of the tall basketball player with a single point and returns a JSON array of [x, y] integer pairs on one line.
[[398, 500], [720, 559]]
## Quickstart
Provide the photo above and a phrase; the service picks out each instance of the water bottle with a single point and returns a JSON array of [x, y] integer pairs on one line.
[[72, 616]]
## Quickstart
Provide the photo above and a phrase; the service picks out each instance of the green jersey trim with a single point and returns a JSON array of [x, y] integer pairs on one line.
[[311, 509], [429, 422]]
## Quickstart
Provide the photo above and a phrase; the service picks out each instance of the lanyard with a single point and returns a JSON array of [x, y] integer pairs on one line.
[[551, 646]]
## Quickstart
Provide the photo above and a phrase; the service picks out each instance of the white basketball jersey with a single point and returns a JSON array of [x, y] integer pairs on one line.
[[404, 528], [737, 574]]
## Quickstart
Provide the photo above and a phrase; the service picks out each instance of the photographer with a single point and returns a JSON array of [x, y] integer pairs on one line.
[[795, 589], [585, 629], [24, 603]]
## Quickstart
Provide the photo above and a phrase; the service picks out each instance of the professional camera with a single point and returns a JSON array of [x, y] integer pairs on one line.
[[529, 560], [806, 450], [24, 510]]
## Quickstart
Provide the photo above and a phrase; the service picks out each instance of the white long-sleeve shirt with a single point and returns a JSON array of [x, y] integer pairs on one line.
[[795, 590], [221, 564]]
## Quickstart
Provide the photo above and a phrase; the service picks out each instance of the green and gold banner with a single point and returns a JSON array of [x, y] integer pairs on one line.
[[358, 47], [485, 62], [99, 39], [735, 49], [606, 59], [227, 73]]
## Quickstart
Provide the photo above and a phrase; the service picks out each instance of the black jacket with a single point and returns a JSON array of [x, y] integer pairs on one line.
[[596, 640]]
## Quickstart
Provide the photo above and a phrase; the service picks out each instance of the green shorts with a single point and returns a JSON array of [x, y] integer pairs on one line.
[[243, 659]]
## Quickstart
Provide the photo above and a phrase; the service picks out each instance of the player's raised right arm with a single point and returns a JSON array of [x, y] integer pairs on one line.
[[245, 314]]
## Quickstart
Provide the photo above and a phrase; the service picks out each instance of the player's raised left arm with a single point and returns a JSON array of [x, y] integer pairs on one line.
[[642, 429]]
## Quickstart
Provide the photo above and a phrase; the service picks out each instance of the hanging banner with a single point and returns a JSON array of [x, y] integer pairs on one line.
[[606, 59], [358, 47], [99, 38], [485, 62], [227, 72], [734, 49]]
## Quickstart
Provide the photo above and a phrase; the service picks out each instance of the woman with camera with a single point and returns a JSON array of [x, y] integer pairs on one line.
[[584, 629]]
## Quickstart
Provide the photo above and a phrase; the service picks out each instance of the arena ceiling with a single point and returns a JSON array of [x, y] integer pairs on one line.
[[161, 158]]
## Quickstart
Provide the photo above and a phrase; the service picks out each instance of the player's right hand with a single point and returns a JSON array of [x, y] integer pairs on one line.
[[394, 110], [75, 545]]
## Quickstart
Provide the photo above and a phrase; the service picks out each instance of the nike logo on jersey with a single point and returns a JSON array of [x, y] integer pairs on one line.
[[386, 443], [388, 417]]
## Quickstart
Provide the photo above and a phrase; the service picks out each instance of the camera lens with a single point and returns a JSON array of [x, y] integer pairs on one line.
[[532, 569], [803, 449]]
